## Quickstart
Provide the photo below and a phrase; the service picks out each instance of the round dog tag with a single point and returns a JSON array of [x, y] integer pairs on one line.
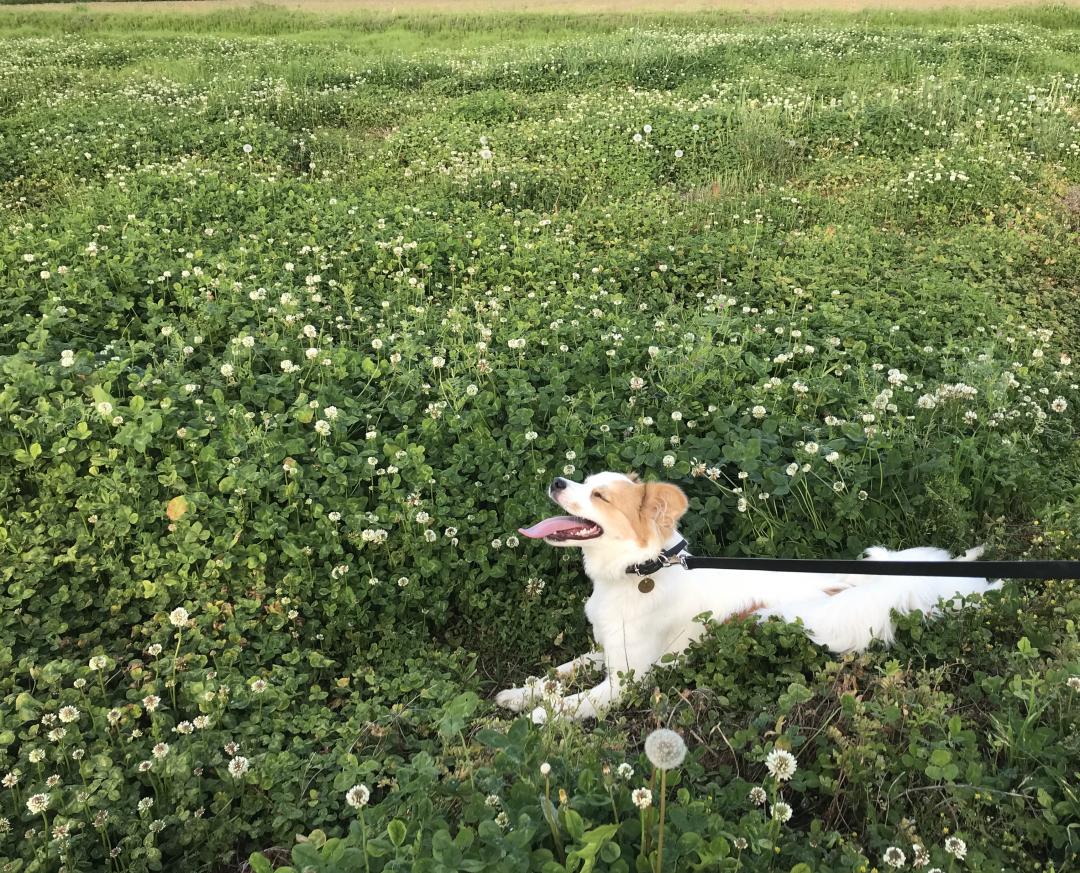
[[646, 585]]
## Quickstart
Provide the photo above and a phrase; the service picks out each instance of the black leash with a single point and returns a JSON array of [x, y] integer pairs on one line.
[[965, 569]]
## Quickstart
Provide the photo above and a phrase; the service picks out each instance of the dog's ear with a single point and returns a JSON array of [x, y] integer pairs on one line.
[[663, 504]]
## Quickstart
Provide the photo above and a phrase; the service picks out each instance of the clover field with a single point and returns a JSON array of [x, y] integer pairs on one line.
[[301, 314]]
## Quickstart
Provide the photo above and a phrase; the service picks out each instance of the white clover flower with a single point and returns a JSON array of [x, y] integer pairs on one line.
[[759, 412], [624, 771], [758, 796], [358, 796], [104, 408], [545, 769], [37, 756], [322, 427], [38, 803], [792, 469], [669, 460], [811, 448], [68, 714], [99, 662], [67, 358], [636, 383], [956, 847], [642, 798], [160, 750], [781, 811], [665, 749], [258, 686], [145, 804], [150, 702], [781, 764], [227, 370], [1059, 404], [11, 779], [238, 766], [894, 857], [178, 617], [832, 457], [1074, 683]]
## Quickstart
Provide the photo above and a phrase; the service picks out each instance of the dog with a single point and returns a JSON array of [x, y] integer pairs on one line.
[[619, 521]]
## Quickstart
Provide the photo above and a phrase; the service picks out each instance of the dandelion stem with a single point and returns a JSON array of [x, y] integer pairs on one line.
[[663, 810], [363, 838]]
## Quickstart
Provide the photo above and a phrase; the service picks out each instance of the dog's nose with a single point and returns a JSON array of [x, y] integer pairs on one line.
[[558, 485]]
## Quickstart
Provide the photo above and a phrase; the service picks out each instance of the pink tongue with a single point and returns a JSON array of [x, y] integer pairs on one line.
[[549, 526]]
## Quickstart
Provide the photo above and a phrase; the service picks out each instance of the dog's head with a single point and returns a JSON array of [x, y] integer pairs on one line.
[[612, 512]]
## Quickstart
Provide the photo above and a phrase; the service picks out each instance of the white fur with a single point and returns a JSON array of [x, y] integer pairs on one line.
[[634, 630]]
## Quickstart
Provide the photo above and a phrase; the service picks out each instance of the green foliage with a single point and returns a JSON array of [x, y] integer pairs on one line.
[[269, 417]]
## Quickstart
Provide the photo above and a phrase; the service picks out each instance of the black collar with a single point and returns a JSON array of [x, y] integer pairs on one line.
[[647, 567]]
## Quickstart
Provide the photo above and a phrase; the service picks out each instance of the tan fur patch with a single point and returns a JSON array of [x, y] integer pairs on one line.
[[746, 613], [651, 508]]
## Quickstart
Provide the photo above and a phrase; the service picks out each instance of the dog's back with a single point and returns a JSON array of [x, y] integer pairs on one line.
[[862, 612]]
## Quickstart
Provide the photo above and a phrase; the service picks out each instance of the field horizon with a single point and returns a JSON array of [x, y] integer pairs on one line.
[[763, 9]]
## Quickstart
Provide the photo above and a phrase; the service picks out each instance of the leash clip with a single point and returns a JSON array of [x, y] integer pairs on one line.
[[672, 560]]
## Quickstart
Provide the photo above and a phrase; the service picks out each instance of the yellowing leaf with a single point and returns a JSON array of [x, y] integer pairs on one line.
[[176, 508]]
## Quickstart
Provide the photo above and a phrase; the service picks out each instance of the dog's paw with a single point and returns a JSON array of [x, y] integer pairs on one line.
[[539, 715], [514, 699]]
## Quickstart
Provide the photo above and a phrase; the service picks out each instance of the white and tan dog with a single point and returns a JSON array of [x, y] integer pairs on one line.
[[618, 521]]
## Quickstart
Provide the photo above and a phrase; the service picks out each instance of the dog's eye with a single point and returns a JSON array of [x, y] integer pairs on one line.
[[599, 496]]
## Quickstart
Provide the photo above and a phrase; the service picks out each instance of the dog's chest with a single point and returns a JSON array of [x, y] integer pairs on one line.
[[631, 609]]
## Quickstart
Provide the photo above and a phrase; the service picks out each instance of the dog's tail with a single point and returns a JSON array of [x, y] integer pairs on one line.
[[862, 612]]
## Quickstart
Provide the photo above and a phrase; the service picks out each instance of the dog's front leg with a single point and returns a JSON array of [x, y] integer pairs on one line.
[[587, 704], [589, 659], [517, 699]]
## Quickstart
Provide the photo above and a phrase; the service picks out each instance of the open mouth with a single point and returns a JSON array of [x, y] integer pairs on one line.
[[563, 528]]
